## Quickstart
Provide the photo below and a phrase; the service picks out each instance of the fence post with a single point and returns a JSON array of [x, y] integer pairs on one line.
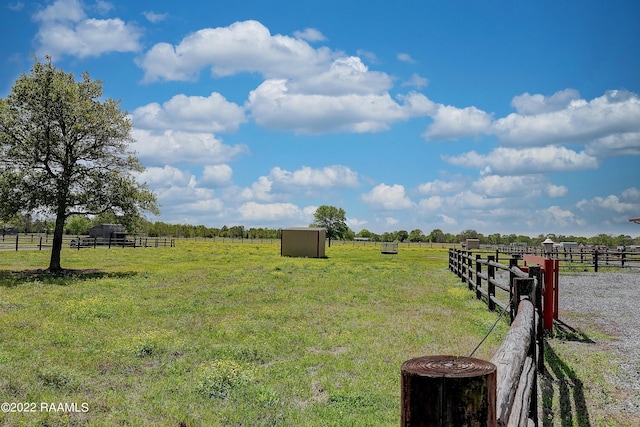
[[478, 276], [470, 269], [537, 340], [17, 234], [513, 303], [448, 391], [491, 287], [536, 272], [40, 245], [595, 260], [463, 266]]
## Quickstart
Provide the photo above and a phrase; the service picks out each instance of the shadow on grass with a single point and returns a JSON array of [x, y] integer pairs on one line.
[[561, 377], [10, 279], [564, 332]]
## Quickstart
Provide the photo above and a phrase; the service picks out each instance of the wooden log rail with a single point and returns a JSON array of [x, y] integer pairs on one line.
[[515, 360], [480, 275], [450, 382]]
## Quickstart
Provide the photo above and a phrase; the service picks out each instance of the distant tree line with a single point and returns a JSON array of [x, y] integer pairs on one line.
[[79, 225]]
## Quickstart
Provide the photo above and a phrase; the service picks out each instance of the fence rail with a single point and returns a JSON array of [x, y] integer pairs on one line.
[[581, 257], [521, 354], [35, 241]]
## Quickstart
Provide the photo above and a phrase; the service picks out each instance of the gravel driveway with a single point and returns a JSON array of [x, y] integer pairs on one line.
[[611, 300]]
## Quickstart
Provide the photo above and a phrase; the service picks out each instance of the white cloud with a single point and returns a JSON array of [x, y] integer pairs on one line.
[[246, 46], [343, 76], [388, 197], [631, 194], [356, 223], [310, 34], [191, 113], [390, 221], [405, 57], [368, 55], [440, 187], [200, 206], [252, 211], [280, 183], [171, 147], [216, 175], [260, 190], [306, 90], [416, 81], [509, 186], [470, 200], [431, 204], [166, 176], [448, 220], [616, 112], [61, 11], [620, 144], [610, 203], [273, 106], [15, 7], [557, 218], [556, 191], [511, 161], [65, 30], [155, 17], [518, 186], [527, 104], [452, 123], [606, 126], [306, 177]]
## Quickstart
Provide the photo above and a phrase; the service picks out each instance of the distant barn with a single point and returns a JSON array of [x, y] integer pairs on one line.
[[472, 244], [108, 231], [303, 242]]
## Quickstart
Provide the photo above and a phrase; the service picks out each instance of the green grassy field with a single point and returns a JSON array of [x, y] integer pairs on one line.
[[213, 334]]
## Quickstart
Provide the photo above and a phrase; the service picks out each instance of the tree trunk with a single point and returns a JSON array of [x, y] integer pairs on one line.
[[56, 248]]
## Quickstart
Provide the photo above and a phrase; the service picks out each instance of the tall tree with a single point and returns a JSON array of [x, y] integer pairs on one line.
[[331, 219], [436, 236], [64, 151], [416, 235]]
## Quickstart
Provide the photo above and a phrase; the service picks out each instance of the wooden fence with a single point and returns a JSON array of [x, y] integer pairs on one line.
[[514, 402], [35, 241], [581, 257]]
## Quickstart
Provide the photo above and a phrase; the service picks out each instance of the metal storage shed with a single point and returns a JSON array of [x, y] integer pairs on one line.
[[303, 242]]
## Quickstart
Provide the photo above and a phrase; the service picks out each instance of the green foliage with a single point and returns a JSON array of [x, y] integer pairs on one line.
[[64, 151], [333, 220], [219, 378], [78, 225]]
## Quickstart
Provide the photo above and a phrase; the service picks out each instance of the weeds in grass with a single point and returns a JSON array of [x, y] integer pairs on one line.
[[226, 334], [219, 378]]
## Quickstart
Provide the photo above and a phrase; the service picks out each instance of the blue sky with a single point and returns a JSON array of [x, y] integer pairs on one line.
[[499, 116]]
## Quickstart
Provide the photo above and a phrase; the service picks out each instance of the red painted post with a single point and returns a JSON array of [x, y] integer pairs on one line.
[[551, 269], [549, 293], [556, 289]]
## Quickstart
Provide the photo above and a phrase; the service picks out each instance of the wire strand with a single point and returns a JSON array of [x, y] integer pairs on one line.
[[487, 335]]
